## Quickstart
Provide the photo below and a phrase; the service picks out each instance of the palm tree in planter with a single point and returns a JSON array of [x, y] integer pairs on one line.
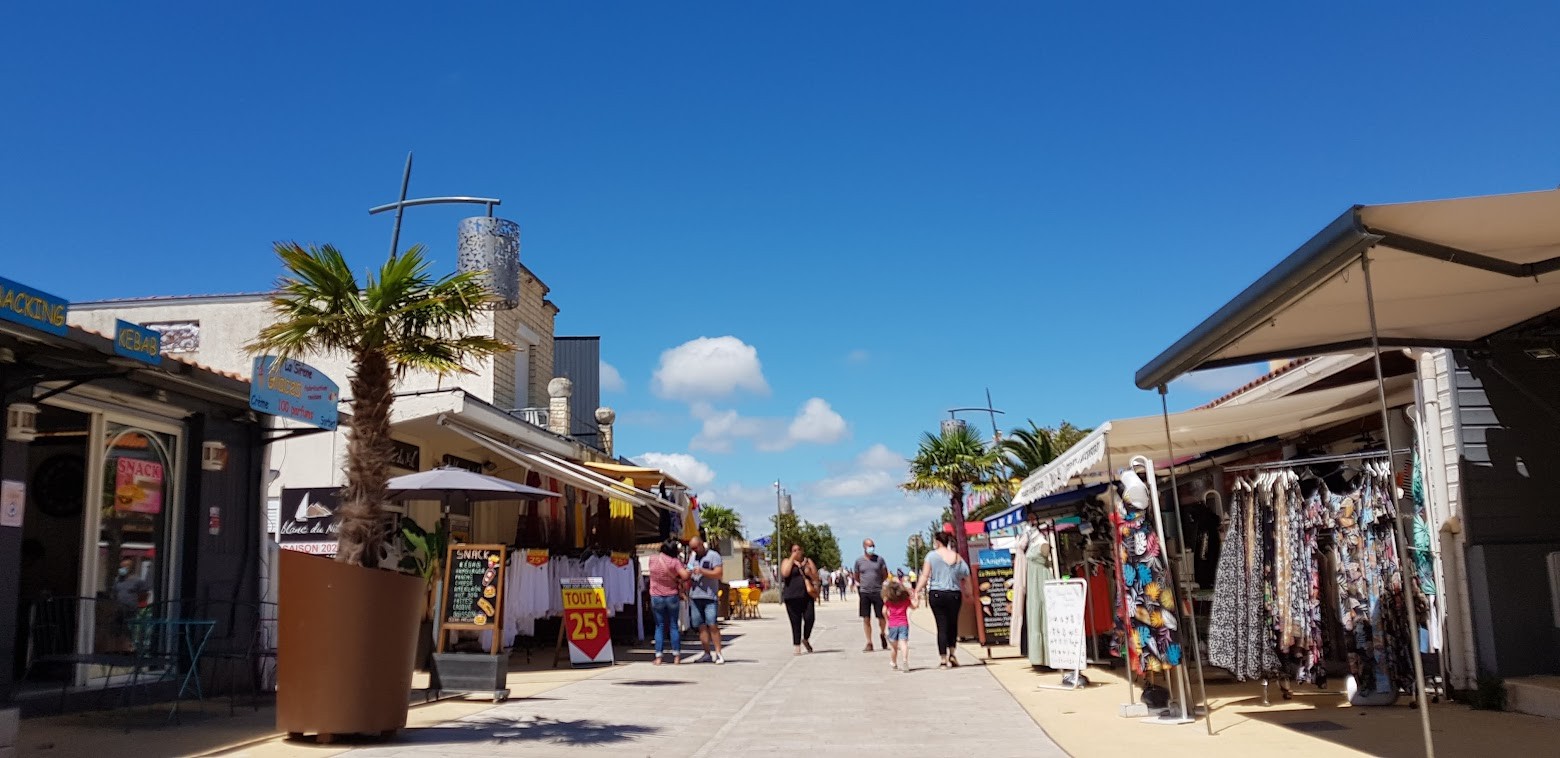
[[949, 462], [719, 523], [396, 320]]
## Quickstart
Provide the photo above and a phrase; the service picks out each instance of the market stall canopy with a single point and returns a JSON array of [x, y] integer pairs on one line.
[[1445, 273], [643, 477], [442, 482], [1204, 430]]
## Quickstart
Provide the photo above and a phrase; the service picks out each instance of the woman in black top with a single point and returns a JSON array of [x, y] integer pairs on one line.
[[797, 572]]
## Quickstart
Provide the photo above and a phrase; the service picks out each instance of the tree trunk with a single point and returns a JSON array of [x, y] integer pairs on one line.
[[363, 529], [961, 541]]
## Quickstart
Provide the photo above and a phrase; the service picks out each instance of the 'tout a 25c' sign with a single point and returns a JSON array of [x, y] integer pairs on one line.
[[295, 390]]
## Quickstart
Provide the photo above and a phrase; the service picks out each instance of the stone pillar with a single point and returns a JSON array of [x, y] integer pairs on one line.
[[604, 418], [558, 392]]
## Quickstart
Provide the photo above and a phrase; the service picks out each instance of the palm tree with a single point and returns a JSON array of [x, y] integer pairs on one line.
[[400, 320], [950, 461], [1029, 450], [719, 522]]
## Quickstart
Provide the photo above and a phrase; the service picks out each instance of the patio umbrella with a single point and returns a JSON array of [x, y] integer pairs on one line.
[[443, 483]]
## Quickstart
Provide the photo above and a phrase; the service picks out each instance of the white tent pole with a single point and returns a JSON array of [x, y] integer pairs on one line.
[[1121, 579], [1403, 554], [1178, 675], [1180, 527]]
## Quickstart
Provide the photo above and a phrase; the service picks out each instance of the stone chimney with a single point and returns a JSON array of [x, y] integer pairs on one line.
[[604, 418], [558, 392]]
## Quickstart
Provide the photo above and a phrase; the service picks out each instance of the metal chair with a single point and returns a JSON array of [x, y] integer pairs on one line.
[[243, 643], [54, 639]]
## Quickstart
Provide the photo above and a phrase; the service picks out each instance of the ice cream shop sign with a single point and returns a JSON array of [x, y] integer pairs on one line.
[[293, 390]]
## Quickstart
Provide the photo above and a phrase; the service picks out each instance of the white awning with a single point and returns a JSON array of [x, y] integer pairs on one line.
[[576, 475], [1204, 430], [1445, 273], [1080, 457]]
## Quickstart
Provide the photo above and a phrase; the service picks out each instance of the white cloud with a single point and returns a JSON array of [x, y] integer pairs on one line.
[[709, 368], [818, 423], [876, 471], [690, 470], [1218, 381], [815, 423], [611, 380], [858, 357]]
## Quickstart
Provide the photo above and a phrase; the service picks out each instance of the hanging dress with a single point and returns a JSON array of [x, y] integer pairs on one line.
[[1037, 564]]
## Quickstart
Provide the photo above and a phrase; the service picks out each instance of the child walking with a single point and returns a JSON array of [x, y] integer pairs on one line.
[[898, 601]]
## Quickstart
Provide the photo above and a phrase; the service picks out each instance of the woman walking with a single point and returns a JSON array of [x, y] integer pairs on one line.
[[799, 582], [947, 577], [667, 579]]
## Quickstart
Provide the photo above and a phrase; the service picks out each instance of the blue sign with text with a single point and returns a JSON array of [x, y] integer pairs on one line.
[[995, 559], [30, 307], [138, 342], [295, 390]]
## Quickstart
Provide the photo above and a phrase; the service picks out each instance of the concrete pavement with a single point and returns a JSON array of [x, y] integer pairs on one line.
[[837, 701]]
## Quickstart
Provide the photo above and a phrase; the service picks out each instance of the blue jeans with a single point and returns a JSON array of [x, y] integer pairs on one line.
[[665, 609]]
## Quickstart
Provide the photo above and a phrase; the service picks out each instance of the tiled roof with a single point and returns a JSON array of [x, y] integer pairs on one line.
[[167, 298], [1257, 382], [174, 358]]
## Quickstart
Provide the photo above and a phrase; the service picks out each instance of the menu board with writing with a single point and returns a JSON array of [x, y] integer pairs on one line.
[[1064, 635], [994, 585], [474, 587]]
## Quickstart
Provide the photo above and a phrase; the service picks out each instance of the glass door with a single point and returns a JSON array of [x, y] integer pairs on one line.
[[131, 574]]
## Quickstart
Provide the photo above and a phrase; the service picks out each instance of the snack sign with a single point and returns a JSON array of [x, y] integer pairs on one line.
[[995, 577], [473, 587], [138, 486], [585, 621]]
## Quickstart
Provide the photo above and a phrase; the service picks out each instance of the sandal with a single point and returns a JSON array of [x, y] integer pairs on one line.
[[807, 644], [953, 662]]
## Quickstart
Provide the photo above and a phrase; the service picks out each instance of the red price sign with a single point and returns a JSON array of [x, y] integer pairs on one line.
[[585, 621]]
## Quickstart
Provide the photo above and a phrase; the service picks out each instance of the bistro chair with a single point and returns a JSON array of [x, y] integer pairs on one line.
[[54, 633], [242, 648]]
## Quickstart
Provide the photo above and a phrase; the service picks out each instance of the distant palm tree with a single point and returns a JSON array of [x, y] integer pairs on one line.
[[951, 461], [719, 522], [400, 320]]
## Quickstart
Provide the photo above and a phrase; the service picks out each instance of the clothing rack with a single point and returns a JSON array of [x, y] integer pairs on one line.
[[1318, 459]]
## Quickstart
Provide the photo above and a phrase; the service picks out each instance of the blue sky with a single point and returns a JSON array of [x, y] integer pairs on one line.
[[887, 208]]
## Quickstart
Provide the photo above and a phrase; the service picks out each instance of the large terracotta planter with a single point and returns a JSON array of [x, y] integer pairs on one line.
[[347, 636]]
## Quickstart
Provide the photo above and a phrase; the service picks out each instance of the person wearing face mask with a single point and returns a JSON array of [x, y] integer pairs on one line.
[[869, 572]]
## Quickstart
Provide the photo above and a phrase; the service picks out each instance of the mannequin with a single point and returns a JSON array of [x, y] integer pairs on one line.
[[1039, 570]]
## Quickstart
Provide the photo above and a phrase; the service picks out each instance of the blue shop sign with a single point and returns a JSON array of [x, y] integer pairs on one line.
[[294, 390], [35, 308], [138, 342], [989, 559]]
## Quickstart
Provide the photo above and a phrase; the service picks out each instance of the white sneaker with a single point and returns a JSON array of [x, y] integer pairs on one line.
[[719, 659]]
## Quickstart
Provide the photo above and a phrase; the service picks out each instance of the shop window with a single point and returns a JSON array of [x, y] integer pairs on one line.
[[138, 494], [177, 336]]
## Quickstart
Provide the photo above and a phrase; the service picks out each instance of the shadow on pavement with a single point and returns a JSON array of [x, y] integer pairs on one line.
[[501, 731], [652, 683]]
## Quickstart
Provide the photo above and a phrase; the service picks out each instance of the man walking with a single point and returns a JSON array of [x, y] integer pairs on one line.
[[869, 572], [705, 570]]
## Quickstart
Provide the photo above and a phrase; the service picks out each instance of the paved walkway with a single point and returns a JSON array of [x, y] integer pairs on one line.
[[837, 701]]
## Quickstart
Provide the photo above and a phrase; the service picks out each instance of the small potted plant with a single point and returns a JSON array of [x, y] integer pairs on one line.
[[423, 555]]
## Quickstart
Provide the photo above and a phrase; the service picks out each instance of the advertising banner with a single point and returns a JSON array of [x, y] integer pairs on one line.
[[293, 390], [994, 587], [1064, 634], [138, 486], [585, 621]]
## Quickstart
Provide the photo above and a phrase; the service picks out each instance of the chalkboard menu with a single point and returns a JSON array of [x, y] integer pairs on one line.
[[994, 586], [474, 587], [1064, 637]]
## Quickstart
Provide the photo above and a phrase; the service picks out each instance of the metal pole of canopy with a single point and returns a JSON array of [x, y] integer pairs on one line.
[[1403, 555], [1180, 530]]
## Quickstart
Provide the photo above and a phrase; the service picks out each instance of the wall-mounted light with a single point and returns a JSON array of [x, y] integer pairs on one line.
[[21, 422], [213, 456]]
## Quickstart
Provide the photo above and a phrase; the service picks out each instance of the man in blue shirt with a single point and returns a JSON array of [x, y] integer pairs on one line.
[[704, 566]]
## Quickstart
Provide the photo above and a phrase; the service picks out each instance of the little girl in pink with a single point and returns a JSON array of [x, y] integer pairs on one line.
[[898, 601]]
